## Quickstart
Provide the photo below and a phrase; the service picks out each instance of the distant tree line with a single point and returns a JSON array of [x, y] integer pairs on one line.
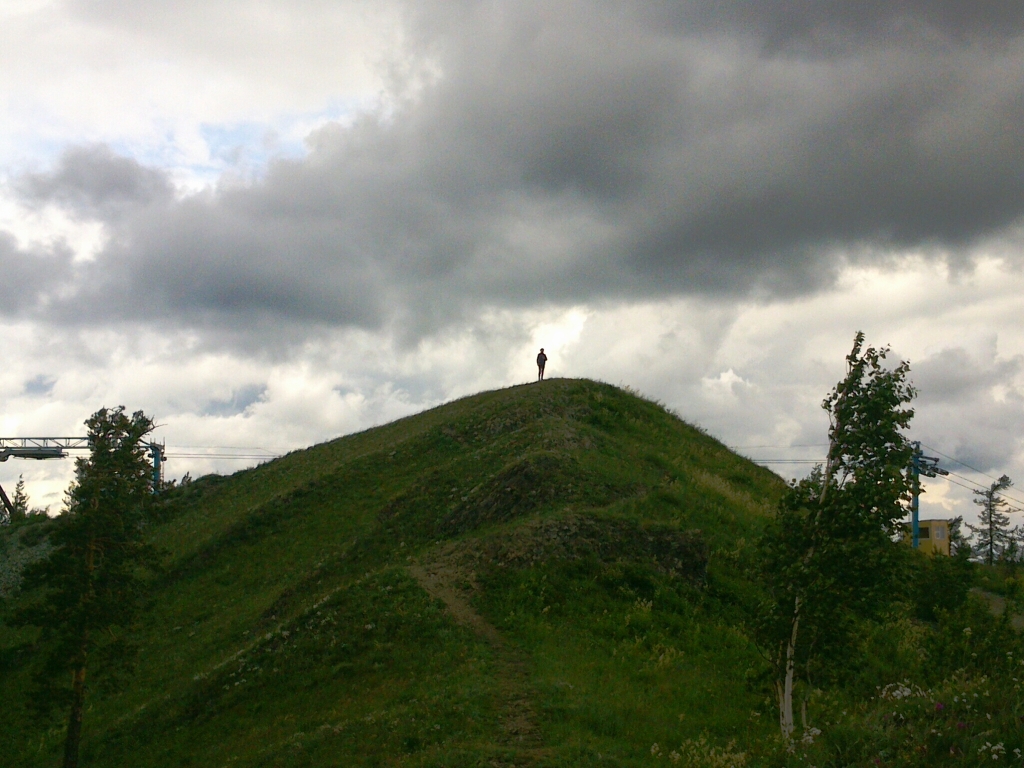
[[20, 510]]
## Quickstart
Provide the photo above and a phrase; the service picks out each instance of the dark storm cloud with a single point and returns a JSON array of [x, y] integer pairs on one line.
[[795, 23], [92, 182], [585, 150], [955, 377], [32, 278], [972, 398]]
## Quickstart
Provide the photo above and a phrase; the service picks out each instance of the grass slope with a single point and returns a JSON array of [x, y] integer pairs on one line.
[[541, 575]]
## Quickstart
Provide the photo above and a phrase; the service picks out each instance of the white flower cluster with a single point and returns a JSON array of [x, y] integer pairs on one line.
[[809, 735], [900, 691], [995, 750]]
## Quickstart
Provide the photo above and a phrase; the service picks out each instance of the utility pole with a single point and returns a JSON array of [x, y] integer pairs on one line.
[[156, 453], [920, 465]]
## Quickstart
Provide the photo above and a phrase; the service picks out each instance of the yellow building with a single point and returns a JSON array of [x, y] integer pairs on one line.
[[932, 536]]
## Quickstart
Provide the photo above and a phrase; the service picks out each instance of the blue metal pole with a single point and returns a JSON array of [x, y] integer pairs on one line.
[[915, 471], [156, 451]]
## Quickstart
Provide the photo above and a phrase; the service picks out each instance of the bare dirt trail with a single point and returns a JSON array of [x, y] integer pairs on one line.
[[440, 580]]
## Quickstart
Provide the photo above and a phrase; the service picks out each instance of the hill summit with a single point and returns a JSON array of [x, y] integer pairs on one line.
[[541, 575]]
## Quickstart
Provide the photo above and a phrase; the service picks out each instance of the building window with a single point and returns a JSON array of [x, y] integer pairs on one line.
[[922, 533]]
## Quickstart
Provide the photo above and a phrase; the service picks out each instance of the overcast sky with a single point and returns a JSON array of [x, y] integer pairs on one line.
[[271, 223]]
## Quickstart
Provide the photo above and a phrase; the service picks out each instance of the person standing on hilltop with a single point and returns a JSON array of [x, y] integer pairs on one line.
[[541, 360]]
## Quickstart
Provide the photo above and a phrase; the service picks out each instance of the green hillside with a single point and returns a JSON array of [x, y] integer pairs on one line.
[[542, 575]]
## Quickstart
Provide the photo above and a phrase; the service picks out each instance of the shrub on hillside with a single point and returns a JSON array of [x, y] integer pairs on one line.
[[940, 584]]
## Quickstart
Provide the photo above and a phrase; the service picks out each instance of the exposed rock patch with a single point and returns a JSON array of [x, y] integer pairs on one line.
[[577, 536], [436, 507]]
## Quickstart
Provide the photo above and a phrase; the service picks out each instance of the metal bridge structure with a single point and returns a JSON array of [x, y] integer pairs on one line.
[[41, 448]]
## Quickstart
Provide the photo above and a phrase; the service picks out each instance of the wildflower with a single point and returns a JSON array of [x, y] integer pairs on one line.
[[996, 750], [655, 750], [939, 706], [809, 734], [967, 631], [961, 725]]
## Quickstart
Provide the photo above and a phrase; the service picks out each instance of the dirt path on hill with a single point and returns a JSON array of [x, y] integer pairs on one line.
[[441, 580]]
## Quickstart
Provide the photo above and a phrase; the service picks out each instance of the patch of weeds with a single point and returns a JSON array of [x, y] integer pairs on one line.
[[376, 662]]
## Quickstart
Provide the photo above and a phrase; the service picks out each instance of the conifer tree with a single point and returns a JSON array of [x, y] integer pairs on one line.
[[957, 542], [829, 556], [19, 502], [87, 591], [992, 536]]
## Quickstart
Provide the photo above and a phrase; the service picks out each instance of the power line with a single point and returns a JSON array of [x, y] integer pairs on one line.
[[961, 463], [234, 448], [967, 479], [954, 482], [794, 445], [221, 456], [985, 488], [930, 448], [786, 461]]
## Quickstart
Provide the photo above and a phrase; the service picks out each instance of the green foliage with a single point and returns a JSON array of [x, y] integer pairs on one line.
[[955, 700], [418, 685], [940, 583]]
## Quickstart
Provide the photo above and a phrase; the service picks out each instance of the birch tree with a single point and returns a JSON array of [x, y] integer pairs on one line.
[[83, 597], [829, 557]]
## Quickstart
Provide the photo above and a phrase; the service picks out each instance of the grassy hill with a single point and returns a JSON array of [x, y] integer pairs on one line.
[[543, 575]]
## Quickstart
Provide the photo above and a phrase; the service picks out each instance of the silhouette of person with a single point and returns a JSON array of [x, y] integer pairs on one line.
[[541, 359]]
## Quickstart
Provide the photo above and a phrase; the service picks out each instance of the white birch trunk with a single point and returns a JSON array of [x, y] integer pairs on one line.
[[784, 687]]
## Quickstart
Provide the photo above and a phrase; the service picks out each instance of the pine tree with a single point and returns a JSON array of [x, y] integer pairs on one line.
[[88, 590], [829, 557], [19, 503], [993, 529], [957, 542]]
